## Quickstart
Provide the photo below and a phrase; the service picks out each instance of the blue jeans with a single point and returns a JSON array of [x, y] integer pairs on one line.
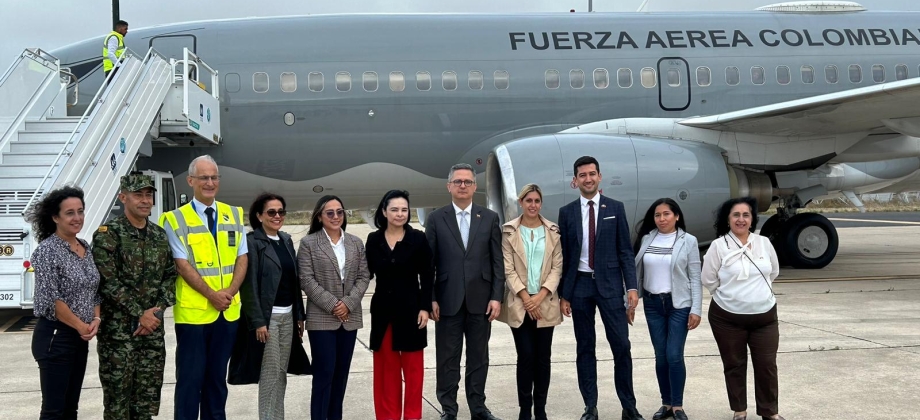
[[667, 327]]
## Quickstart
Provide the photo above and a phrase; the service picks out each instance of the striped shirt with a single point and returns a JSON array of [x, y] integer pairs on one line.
[[657, 263]]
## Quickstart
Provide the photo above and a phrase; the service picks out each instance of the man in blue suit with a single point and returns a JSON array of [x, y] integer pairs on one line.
[[597, 270]]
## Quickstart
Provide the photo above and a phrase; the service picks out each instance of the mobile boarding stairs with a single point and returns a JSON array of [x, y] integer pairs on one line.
[[41, 148]]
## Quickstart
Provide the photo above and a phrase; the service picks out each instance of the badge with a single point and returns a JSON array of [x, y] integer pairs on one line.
[[103, 229], [231, 239]]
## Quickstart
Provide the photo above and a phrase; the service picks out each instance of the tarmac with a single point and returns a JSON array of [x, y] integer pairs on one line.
[[849, 348]]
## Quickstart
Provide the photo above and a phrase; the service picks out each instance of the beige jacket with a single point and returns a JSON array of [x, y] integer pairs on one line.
[[513, 312]]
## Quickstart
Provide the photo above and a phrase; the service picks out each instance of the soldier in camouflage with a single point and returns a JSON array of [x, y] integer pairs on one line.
[[137, 284]]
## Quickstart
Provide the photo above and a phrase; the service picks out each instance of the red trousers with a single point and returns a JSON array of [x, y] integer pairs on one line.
[[390, 369]]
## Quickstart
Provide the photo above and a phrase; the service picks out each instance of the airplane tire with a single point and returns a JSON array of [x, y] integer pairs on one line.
[[808, 240], [771, 229]]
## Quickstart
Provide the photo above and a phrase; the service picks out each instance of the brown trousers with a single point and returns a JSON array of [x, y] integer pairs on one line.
[[734, 333]]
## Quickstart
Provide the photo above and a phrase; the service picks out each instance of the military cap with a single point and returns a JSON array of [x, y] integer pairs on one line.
[[136, 182]]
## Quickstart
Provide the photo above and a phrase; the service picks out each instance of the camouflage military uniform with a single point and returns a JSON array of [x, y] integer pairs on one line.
[[137, 273]]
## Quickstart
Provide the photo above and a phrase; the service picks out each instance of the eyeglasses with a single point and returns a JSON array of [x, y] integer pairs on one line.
[[464, 182], [273, 212], [332, 214], [206, 178]]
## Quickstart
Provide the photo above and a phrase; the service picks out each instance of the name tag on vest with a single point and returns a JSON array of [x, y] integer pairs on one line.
[[231, 238]]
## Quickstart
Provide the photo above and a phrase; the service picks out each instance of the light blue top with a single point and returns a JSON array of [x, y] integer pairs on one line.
[[534, 247]]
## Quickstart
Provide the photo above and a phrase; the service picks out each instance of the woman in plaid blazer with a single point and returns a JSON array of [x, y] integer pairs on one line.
[[333, 274]]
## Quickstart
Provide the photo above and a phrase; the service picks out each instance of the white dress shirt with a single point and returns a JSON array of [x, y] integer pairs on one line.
[[339, 250], [111, 47], [583, 259], [736, 284], [178, 249], [459, 212]]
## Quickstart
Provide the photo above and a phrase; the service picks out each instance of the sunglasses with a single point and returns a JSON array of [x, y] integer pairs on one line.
[[273, 212], [332, 214]]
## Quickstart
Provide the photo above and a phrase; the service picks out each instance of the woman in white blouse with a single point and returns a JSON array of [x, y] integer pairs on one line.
[[739, 270], [668, 274]]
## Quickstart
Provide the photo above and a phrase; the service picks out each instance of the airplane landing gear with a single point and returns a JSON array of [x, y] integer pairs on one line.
[[804, 240]]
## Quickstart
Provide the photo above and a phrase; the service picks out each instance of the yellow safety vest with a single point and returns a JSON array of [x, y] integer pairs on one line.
[[214, 261], [107, 64]]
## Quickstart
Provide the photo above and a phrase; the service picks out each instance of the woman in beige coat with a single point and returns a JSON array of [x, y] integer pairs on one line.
[[533, 266]]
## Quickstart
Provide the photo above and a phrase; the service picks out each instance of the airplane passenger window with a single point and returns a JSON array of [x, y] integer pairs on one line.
[[551, 79], [288, 82], [601, 78], [624, 78], [855, 73], [260, 82], [673, 77], [343, 81], [577, 79], [783, 75], [757, 75], [830, 74], [449, 80], [732, 76], [475, 82], [423, 80], [703, 76], [369, 79], [232, 82], [878, 73], [315, 81], [900, 72], [397, 81], [808, 74], [648, 77], [503, 79]]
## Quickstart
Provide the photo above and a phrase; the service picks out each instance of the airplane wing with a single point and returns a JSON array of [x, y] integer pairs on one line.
[[883, 108]]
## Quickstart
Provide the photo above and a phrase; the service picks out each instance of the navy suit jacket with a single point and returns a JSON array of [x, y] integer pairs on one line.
[[614, 261]]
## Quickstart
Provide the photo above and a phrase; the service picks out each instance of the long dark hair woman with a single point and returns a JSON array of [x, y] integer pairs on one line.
[[273, 310], [333, 274], [400, 258], [66, 300], [668, 274], [739, 270]]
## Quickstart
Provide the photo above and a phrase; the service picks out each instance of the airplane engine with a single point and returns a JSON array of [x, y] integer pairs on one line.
[[634, 170]]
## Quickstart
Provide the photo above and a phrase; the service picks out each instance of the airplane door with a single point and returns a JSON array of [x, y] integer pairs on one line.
[[171, 45], [673, 84]]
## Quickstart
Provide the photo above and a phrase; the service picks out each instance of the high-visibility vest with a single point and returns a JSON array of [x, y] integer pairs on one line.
[[107, 64], [214, 261]]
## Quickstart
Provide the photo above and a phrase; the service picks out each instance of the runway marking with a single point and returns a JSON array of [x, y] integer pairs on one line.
[[874, 221], [863, 278]]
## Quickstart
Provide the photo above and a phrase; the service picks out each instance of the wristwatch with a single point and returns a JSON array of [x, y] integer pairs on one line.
[[159, 314]]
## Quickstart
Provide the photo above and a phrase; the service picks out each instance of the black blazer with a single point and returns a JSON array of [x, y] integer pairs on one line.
[[614, 262], [475, 275], [257, 294], [405, 277]]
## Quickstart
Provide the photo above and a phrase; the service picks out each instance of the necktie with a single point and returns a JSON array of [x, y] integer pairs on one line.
[[591, 234], [464, 228], [212, 225]]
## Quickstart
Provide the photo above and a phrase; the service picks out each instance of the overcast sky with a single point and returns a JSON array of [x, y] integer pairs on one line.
[[54, 23]]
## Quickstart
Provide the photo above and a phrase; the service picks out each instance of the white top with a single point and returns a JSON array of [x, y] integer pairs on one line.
[[111, 47], [583, 259], [657, 263], [178, 249], [459, 212], [339, 250], [734, 281]]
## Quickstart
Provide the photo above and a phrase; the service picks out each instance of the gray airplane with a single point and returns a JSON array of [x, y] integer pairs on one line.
[[793, 103]]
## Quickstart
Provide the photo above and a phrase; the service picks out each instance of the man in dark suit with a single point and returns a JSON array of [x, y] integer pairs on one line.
[[465, 240], [597, 261]]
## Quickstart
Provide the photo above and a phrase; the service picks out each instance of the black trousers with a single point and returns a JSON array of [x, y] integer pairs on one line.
[[448, 335], [61, 356], [534, 350], [202, 354]]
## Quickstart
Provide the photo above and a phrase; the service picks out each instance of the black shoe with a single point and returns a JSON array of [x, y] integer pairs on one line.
[[539, 413], [590, 413], [485, 415], [632, 415], [663, 413], [680, 415], [525, 414], [447, 416]]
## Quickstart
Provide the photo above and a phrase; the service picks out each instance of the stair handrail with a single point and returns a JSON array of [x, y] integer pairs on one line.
[[36, 52], [89, 109], [43, 58]]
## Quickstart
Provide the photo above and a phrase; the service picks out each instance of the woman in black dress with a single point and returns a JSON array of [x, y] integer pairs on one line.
[[400, 258]]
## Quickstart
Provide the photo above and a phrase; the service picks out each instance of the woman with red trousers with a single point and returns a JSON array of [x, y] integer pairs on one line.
[[400, 258]]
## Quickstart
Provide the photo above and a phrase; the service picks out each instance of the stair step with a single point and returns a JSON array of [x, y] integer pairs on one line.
[[36, 147], [59, 137], [16, 171], [18, 158], [22, 182], [53, 125]]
